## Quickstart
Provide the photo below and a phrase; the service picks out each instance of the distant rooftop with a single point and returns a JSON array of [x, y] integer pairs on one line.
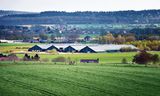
[[96, 47]]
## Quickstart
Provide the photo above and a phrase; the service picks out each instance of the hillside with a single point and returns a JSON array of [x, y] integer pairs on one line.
[[55, 17], [9, 12]]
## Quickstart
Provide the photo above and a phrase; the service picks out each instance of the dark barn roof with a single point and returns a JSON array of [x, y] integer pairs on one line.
[[36, 48], [81, 48], [52, 47], [87, 50], [70, 49], [43, 48]]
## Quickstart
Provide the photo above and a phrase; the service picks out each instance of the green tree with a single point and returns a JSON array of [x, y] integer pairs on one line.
[[124, 61], [142, 58], [155, 58]]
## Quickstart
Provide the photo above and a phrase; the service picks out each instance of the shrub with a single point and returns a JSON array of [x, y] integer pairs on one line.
[[72, 62], [154, 47], [59, 59], [52, 51], [124, 61], [30, 58], [155, 58], [127, 49], [26, 57], [36, 57], [45, 60], [147, 48], [142, 58], [12, 57], [1, 55]]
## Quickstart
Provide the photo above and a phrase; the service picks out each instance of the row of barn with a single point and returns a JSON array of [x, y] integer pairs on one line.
[[81, 48]]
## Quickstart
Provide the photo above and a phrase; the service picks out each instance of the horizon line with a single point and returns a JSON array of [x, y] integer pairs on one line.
[[73, 11]]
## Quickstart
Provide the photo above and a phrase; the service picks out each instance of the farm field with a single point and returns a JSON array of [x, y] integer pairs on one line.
[[107, 26], [14, 47], [48, 79], [114, 57], [103, 57]]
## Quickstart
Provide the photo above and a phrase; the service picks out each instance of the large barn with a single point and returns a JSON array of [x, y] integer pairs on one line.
[[87, 50], [81, 48], [52, 47], [36, 48], [42, 48], [69, 49]]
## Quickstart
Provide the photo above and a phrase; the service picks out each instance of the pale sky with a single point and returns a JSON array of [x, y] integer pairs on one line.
[[78, 5]]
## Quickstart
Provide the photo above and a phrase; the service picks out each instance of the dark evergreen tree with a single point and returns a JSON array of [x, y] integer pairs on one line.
[[26, 57], [36, 57]]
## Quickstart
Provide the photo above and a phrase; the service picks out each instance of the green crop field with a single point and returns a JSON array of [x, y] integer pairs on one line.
[[103, 57], [47, 79], [10, 47]]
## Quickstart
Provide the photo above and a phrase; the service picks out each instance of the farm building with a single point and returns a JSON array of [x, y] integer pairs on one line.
[[117, 48], [69, 49], [36, 48], [87, 50], [89, 60], [41, 48], [81, 48], [61, 47], [52, 47], [78, 47]]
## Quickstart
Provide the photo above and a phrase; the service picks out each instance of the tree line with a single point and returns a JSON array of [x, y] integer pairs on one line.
[[148, 45], [121, 17], [119, 39]]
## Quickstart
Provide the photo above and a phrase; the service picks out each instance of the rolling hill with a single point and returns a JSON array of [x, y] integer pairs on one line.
[[56, 17]]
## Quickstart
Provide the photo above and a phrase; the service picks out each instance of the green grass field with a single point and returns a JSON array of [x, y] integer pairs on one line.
[[40, 79], [103, 57]]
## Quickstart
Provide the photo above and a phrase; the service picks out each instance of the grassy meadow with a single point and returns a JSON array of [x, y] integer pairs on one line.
[[103, 57], [47, 79]]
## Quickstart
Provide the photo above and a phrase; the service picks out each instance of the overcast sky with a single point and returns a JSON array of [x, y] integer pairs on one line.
[[78, 5]]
